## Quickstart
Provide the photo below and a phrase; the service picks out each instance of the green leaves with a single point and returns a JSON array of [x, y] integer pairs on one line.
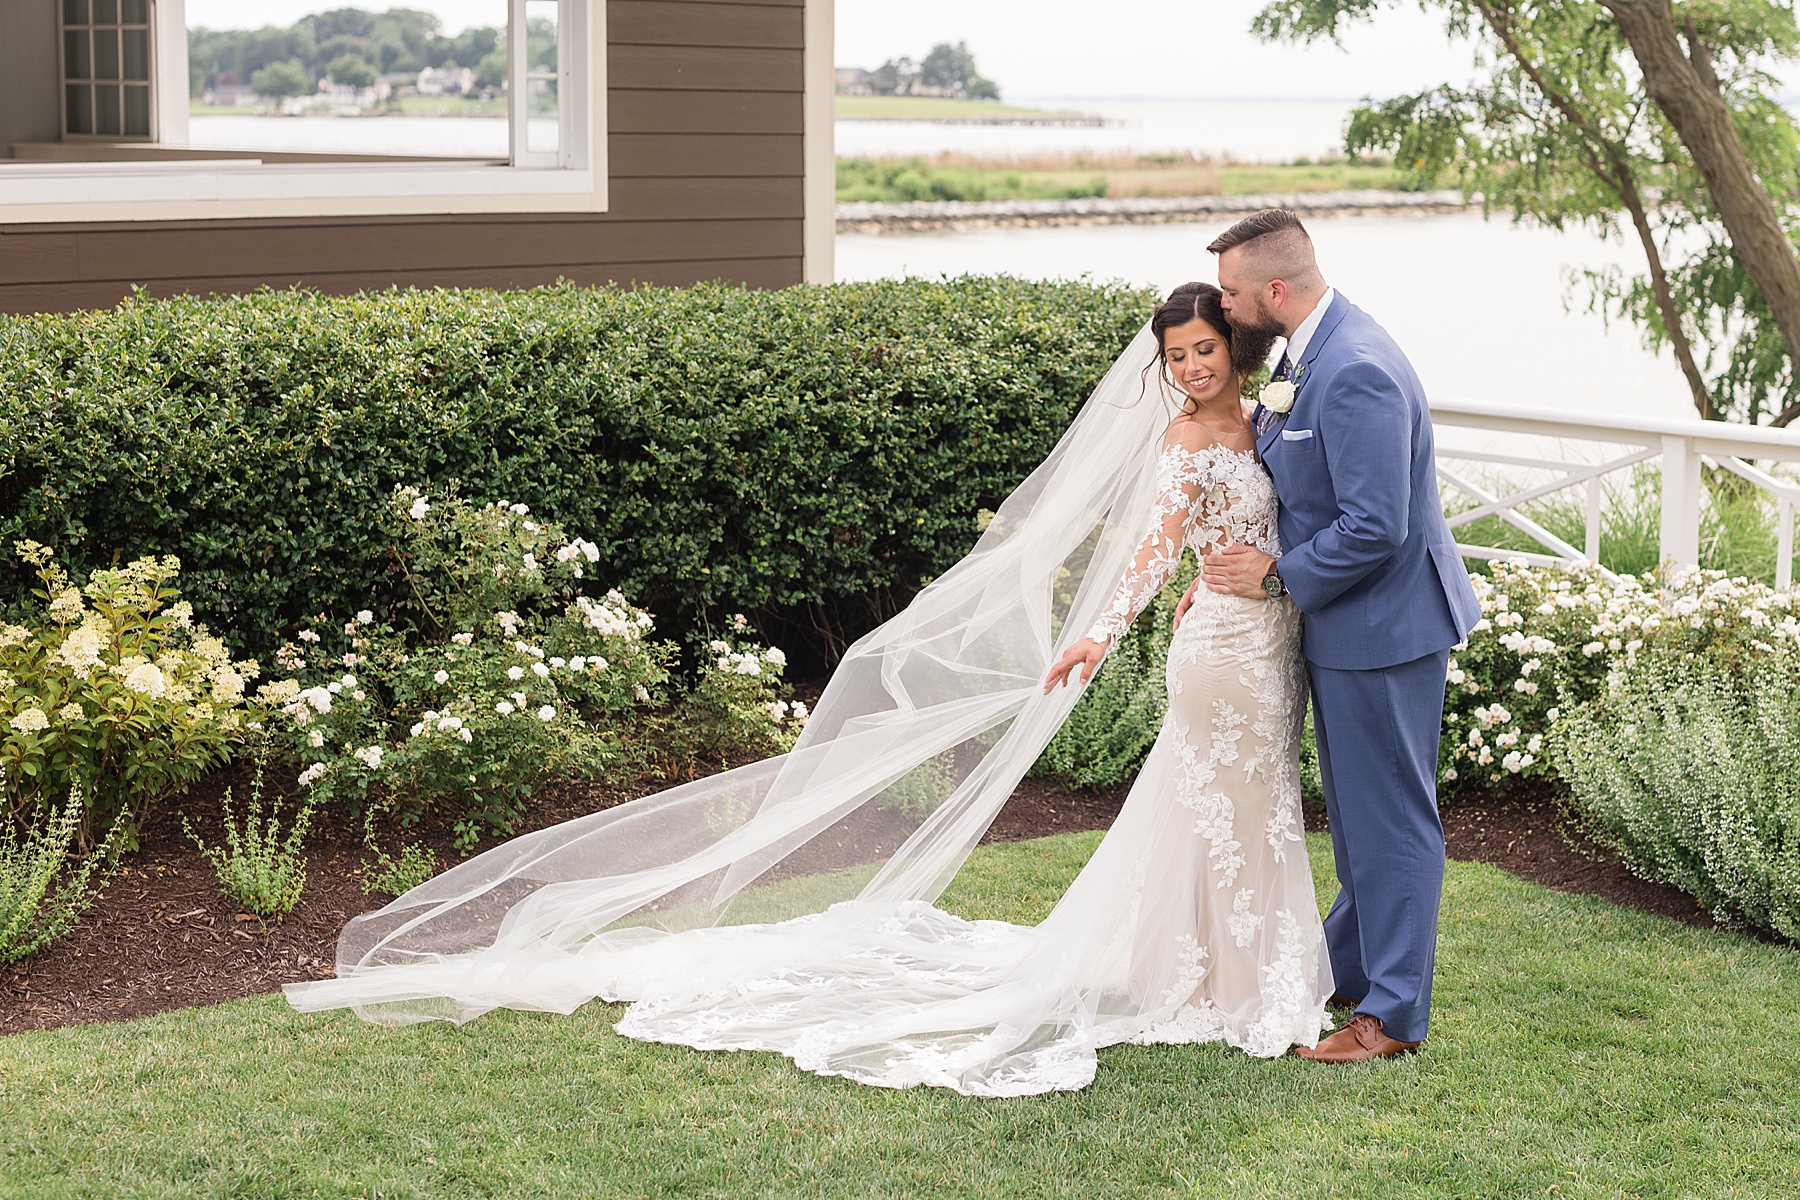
[[1559, 129], [806, 455]]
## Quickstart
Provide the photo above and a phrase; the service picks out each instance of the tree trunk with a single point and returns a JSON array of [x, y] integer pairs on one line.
[[1699, 116]]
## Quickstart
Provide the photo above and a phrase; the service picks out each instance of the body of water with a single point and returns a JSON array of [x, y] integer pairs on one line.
[[1247, 130], [1481, 307]]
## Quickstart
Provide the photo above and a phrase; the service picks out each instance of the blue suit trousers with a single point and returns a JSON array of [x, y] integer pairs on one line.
[[1377, 733]]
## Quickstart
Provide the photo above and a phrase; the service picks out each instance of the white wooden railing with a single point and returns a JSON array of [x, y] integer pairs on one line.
[[1681, 445]]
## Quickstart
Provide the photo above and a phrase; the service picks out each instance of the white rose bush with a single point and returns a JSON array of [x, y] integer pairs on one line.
[[516, 667], [1550, 640], [735, 706]]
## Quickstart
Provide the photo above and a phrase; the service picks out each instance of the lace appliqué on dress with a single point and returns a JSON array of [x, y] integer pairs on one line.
[[1205, 499]]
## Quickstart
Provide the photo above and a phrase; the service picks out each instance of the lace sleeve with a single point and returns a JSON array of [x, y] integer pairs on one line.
[[1177, 491]]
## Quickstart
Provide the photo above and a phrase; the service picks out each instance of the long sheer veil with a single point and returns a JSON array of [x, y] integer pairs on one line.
[[921, 735]]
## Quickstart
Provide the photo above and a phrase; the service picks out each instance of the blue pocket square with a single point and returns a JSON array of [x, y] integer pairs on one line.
[[1295, 435]]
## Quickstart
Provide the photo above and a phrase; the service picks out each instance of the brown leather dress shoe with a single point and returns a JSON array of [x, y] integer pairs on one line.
[[1359, 1041], [1339, 1000]]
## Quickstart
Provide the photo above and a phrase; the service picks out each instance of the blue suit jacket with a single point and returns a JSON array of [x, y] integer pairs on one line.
[[1368, 557]]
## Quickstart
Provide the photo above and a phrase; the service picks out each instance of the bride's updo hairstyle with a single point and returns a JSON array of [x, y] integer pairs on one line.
[[1248, 348]]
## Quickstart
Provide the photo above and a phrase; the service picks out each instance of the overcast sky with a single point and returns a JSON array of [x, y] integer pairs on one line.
[[1068, 47], [1059, 47], [1150, 48]]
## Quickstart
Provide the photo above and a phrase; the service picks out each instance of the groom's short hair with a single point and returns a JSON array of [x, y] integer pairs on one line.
[[1275, 246]]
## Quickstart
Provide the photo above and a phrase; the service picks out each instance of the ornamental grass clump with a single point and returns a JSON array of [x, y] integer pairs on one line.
[[509, 665], [1687, 761], [43, 890], [259, 867], [113, 687]]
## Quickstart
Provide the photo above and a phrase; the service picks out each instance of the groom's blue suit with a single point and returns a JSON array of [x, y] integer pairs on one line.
[[1371, 563]]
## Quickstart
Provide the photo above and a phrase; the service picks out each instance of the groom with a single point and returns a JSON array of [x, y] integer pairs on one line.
[[1384, 596]]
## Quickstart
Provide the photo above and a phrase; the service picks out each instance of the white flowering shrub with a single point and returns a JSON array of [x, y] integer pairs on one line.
[[112, 688], [1550, 639], [1688, 761], [520, 668], [735, 705]]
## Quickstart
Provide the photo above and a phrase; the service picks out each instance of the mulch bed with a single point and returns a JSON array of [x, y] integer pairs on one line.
[[163, 936]]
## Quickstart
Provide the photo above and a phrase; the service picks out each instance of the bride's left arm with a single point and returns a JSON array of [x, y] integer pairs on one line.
[[1178, 490]]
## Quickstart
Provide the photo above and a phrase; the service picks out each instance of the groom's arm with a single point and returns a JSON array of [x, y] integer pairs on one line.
[[1366, 435]]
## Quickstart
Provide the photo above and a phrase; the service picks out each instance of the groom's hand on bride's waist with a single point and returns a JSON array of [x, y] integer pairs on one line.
[[1235, 571]]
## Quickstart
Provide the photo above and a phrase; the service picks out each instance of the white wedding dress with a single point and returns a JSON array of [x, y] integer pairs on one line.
[[1194, 921]]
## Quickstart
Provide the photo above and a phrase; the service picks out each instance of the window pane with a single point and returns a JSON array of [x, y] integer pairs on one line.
[[137, 53], [541, 127], [80, 102], [106, 108], [106, 54], [75, 12], [75, 54], [448, 97], [106, 12], [135, 12], [137, 111], [540, 36]]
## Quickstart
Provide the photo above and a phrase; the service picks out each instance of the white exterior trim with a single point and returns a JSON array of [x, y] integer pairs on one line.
[[225, 188], [169, 67], [819, 72]]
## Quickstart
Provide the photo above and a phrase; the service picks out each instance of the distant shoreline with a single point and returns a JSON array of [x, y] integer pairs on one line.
[[1070, 120], [931, 216], [948, 110]]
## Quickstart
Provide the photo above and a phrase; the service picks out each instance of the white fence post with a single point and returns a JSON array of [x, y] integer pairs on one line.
[[1784, 545], [1680, 501]]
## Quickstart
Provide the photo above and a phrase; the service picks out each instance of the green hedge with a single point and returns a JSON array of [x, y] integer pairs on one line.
[[809, 455]]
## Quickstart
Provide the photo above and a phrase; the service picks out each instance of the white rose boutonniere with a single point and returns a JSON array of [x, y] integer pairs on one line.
[[1278, 397]]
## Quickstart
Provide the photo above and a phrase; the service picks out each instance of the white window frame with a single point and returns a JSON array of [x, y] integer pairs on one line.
[[224, 188]]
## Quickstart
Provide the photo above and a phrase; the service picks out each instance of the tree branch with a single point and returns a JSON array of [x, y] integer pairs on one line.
[[1616, 173]]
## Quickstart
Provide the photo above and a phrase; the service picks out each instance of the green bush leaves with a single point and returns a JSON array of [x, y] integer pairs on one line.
[[810, 455]]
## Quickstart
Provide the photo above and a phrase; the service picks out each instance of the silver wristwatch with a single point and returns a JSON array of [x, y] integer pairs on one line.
[[1273, 588]]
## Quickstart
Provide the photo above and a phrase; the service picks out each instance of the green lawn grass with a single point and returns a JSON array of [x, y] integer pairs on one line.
[[1578, 1050]]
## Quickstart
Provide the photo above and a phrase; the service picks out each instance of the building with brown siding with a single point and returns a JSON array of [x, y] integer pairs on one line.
[[692, 142]]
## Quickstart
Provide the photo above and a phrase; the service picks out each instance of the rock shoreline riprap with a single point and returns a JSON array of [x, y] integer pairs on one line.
[[873, 216]]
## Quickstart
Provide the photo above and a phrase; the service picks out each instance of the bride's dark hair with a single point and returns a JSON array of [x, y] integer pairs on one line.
[[1248, 348]]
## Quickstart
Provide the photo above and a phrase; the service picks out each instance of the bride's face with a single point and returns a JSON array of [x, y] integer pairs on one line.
[[1199, 361]]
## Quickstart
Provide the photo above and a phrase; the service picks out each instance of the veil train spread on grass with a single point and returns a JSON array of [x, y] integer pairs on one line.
[[787, 905]]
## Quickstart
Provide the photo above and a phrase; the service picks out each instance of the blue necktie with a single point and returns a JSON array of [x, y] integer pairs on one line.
[[1281, 369]]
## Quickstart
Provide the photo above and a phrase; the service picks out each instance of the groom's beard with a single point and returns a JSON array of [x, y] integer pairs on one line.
[[1258, 322]]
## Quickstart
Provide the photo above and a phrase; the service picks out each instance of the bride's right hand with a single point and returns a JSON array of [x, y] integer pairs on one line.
[[1085, 654], [1187, 601]]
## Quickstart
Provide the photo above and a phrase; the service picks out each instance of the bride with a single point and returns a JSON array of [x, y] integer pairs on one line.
[[787, 905]]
